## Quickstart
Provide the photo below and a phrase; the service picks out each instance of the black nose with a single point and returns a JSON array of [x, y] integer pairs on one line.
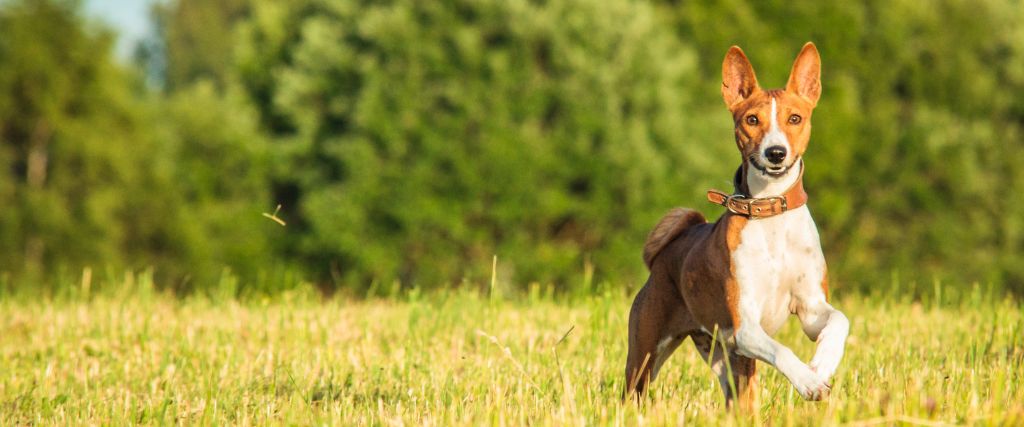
[[775, 154]]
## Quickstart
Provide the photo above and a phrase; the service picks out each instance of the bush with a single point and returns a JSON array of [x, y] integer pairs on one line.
[[427, 137]]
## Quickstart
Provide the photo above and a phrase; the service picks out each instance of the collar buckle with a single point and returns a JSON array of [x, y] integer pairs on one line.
[[738, 198]]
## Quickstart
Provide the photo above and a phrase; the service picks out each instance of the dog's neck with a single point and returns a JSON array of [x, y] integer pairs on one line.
[[754, 183]]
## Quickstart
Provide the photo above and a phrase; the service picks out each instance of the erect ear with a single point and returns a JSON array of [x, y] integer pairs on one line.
[[738, 79], [805, 78]]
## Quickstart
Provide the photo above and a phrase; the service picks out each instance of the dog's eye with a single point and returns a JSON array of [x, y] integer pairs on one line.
[[752, 120], [795, 119]]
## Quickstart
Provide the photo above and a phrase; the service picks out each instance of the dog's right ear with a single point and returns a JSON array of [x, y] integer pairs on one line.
[[738, 79]]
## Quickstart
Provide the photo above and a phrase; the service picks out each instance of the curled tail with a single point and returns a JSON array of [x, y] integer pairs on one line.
[[674, 223]]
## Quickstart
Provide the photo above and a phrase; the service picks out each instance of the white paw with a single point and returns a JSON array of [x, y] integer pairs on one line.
[[811, 385], [823, 370]]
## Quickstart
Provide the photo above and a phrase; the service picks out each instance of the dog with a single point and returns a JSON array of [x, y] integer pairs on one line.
[[730, 285]]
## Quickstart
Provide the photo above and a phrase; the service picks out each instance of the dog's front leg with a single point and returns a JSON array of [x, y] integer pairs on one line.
[[753, 341], [829, 327]]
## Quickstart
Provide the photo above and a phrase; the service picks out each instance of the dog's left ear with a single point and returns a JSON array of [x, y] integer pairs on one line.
[[805, 78]]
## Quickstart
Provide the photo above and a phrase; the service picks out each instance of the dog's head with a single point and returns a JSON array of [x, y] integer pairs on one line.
[[772, 126]]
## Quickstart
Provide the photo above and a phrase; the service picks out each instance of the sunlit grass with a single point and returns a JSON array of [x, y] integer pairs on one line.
[[463, 358]]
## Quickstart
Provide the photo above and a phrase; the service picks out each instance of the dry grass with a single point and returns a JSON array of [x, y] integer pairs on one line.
[[460, 358]]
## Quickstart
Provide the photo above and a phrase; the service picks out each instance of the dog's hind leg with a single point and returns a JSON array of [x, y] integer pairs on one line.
[[738, 377], [744, 370], [658, 322]]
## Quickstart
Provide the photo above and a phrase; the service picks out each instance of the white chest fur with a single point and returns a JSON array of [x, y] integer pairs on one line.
[[778, 263]]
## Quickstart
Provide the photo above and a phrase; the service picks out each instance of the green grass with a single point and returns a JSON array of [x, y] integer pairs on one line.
[[462, 358]]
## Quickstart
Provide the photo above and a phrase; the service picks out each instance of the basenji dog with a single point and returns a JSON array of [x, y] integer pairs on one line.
[[730, 285]]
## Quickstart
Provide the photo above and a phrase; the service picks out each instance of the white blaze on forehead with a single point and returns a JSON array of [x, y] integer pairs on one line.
[[775, 113], [775, 135]]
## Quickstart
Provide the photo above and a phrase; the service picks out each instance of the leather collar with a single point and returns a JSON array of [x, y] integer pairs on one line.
[[760, 207]]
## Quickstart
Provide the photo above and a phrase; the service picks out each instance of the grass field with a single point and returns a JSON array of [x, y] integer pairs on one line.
[[460, 357]]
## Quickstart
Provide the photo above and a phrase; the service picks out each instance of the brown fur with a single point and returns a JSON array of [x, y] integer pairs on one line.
[[692, 287], [693, 265]]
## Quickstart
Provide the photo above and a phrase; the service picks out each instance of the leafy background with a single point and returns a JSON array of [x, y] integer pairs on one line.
[[410, 142]]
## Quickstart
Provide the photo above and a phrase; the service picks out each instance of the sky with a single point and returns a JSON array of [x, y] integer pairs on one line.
[[130, 18]]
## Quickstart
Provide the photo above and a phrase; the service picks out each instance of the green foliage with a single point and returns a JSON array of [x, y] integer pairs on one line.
[[220, 174], [72, 143], [100, 173], [409, 142], [424, 138]]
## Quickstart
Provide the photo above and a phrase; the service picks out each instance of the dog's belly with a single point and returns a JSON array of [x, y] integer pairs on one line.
[[778, 261]]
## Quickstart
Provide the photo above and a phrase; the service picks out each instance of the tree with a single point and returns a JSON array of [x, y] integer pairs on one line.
[[195, 41], [101, 172], [70, 139], [425, 137]]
